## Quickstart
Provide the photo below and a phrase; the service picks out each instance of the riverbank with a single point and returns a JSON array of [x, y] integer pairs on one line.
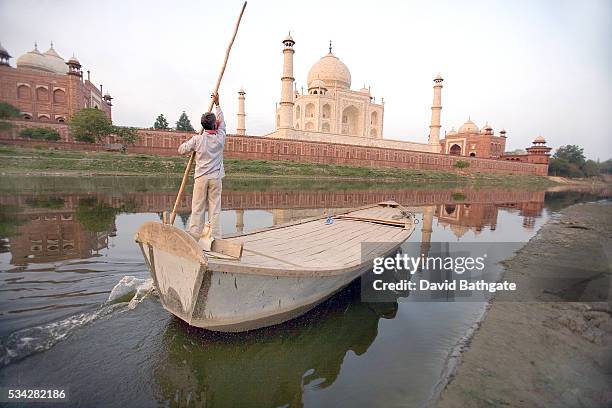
[[37, 162], [548, 345]]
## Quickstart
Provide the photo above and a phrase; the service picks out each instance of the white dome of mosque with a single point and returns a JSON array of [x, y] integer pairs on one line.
[[50, 61], [451, 132], [54, 61], [539, 139], [468, 127], [33, 60], [331, 71]]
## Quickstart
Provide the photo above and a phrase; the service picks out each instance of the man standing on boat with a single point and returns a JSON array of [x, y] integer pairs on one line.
[[208, 147]]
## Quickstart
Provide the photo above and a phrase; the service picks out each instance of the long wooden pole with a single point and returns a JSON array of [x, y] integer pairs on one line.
[[192, 156]]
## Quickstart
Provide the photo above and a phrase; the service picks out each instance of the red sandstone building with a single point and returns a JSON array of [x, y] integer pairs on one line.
[[46, 88]]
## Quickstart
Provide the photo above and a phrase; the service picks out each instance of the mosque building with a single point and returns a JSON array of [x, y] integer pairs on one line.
[[474, 142], [47, 88]]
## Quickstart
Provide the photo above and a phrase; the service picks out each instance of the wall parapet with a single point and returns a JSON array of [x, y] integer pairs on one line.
[[164, 143]]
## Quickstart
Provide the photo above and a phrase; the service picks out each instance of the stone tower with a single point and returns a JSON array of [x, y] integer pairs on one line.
[[436, 108], [428, 212], [241, 123], [285, 111]]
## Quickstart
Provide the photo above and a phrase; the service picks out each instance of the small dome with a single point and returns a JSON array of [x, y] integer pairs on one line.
[[73, 60], [468, 127], [317, 83], [33, 60], [107, 95], [438, 78], [288, 38], [451, 132], [331, 71], [539, 139]]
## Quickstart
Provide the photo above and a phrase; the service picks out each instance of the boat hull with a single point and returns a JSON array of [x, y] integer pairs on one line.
[[233, 296]]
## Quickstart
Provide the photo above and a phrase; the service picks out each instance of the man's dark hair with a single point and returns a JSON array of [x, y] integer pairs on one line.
[[209, 121]]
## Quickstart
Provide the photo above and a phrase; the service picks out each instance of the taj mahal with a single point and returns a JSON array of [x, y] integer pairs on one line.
[[330, 111]]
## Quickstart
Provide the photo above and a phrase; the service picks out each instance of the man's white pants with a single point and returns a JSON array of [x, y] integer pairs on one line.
[[206, 193]]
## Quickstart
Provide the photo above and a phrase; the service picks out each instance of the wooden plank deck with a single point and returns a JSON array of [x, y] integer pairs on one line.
[[317, 246]]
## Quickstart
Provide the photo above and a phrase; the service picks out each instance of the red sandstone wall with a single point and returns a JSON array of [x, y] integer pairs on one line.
[[165, 143]]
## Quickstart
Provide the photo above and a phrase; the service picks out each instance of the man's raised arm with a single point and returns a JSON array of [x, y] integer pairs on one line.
[[221, 121], [188, 146]]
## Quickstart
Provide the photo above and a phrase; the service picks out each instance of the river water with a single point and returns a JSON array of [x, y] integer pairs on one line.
[[77, 313]]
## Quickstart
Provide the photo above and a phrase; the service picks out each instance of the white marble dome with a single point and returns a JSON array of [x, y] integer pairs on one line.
[[468, 127], [33, 60], [55, 62], [50, 61], [331, 71]]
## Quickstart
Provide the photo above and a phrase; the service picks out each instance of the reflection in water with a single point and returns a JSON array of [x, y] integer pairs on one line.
[[69, 247], [78, 225], [270, 367]]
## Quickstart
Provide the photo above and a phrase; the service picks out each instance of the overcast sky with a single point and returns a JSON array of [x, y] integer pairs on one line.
[[532, 67]]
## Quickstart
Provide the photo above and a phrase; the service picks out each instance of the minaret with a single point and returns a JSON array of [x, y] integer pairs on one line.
[[285, 111], [436, 108], [240, 221], [241, 126], [428, 212]]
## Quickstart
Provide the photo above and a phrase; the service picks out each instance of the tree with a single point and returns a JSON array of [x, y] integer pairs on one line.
[[7, 111], [183, 123], [572, 153], [590, 168], [126, 135], [40, 133], [161, 122], [90, 125], [606, 167]]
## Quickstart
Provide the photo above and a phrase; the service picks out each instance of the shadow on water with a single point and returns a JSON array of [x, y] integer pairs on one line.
[[271, 366]]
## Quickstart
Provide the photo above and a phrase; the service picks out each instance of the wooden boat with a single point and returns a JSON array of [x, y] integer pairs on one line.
[[281, 272]]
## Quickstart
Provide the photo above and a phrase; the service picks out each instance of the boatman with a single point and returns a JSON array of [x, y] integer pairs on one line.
[[208, 147]]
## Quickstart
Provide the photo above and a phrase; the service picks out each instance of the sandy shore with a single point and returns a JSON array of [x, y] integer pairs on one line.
[[549, 344]]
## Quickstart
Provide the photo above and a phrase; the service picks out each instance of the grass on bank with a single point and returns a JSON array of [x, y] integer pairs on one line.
[[20, 161]]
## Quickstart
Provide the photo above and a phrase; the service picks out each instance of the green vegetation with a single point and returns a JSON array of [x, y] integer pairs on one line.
[[458, 196], [9, 222], [462, 164], [40, 133], [90, 125], [569, 161], [15, 160], [7, 111], [183, 123], [98, 216], [161, 123], [126, 135], [45, 202]]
